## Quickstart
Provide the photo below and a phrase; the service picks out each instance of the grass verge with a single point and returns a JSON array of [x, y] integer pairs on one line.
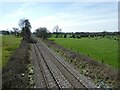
[[9, 45]]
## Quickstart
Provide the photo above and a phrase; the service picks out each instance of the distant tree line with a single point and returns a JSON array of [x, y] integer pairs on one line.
[[16, 33], [3, 32], [85, 34], [42, 32]]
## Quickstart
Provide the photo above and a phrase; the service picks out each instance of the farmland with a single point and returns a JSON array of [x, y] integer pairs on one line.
[[9, 45], [103, 50]]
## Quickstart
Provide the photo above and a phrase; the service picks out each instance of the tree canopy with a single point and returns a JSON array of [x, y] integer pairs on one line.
[[25, 25], [42, 32]]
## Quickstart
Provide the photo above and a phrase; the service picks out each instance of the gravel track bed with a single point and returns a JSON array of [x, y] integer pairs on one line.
[[54, 72]]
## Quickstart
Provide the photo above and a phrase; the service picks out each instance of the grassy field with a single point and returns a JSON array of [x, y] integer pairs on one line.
[[101, 49], [9, 45], [0, 55]]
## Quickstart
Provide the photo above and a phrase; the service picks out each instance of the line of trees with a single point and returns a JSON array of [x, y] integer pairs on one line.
[[86, 34], [4, 32], [43, 32], [11, 32]]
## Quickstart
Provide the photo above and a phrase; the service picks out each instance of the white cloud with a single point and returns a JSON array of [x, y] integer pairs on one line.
[[5, 26], [20, 12], [75, 22], [11, 20]]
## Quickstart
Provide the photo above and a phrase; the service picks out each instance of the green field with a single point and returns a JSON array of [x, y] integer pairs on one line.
[[0, 55], [9, 45], [100, 49]]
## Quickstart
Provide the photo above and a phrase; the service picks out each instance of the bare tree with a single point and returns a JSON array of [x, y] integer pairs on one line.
[[16, 31], [57, 30]]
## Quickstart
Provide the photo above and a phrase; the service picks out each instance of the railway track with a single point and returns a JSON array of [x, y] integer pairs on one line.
[[53, 72]]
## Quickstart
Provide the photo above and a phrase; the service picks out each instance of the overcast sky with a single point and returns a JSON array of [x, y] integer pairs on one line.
[[71, 17]]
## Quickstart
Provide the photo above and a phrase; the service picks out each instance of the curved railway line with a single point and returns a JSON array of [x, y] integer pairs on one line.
[[53, 72]]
